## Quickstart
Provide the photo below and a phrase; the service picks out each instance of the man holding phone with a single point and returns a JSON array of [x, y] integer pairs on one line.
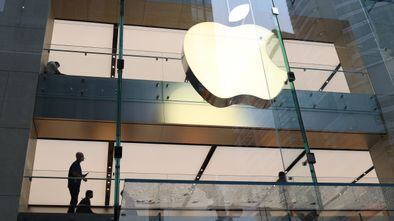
[[74, 180]]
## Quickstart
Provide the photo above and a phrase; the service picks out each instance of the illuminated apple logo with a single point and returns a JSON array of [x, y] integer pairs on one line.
[[232, 65]]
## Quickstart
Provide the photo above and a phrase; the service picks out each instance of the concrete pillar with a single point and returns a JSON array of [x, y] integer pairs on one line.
[[23, 28]]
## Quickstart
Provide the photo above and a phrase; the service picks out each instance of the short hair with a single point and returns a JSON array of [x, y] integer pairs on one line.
[[78, 154], [89, 192]]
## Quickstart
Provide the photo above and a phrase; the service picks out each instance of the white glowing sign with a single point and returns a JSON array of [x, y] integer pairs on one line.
[[228, 63]]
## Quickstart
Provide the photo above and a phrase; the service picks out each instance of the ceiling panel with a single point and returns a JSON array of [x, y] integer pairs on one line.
[[347, 165], [244, 164], [162, 161]]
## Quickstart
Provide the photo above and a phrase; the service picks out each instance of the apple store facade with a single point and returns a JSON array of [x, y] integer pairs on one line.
[[198, 110]]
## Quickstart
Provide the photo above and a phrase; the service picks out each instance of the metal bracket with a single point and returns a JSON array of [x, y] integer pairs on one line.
[[118, 152], [120, 64], [310, 157], [275, 11], [291, 76]]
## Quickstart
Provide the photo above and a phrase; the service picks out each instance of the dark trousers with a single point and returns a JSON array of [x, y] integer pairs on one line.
[[74, 192]]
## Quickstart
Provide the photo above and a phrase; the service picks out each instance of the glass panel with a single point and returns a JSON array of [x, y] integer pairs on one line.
[[262, 215], [82, 48], [168, 195], [51, 164], [160, 161], [283, 116], [339, 96], [377, 49], [333, 66], [156, 53], [318, 68], [344, 58], [232, 44], [153, 54], [380, 15], [81, 64], [53, 191]]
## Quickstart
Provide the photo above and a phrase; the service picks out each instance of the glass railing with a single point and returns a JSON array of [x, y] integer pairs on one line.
[[177, 103], [49, 188], [262, 215], [81, 60], [208, 200], [166, 91], [336, 99], [168, 67]]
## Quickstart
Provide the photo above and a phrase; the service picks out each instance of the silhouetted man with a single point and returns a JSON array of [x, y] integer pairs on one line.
[[84, 205], [74, 181]]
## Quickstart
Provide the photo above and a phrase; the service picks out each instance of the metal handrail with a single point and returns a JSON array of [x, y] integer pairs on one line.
[[106, 53], [67, 178]]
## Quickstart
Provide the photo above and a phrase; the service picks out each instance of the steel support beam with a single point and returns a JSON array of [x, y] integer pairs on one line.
[[114, 50], [295, 161], [363, 174], [110, 162], [205, 163], [330, 77]]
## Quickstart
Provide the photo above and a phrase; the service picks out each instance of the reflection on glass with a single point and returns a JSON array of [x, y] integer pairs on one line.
[[226, 199], [331, 71]]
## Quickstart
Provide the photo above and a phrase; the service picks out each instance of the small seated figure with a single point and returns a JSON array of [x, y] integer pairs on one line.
[[52, 67], [84, 205]]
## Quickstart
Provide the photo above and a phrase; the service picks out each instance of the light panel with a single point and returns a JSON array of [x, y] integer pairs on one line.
[[244, 164], [162, 161]]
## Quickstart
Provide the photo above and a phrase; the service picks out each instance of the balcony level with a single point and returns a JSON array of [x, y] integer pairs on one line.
[[83, 108]]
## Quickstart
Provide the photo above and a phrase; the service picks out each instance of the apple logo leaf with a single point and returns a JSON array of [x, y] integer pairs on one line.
[[238, 13]]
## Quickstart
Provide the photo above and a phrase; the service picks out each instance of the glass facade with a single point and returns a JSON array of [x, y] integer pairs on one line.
[[332, 90], [215, 91]]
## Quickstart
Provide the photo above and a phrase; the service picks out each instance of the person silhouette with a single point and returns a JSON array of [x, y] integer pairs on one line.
[[74, 180], [84, 205], [52, 67]]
